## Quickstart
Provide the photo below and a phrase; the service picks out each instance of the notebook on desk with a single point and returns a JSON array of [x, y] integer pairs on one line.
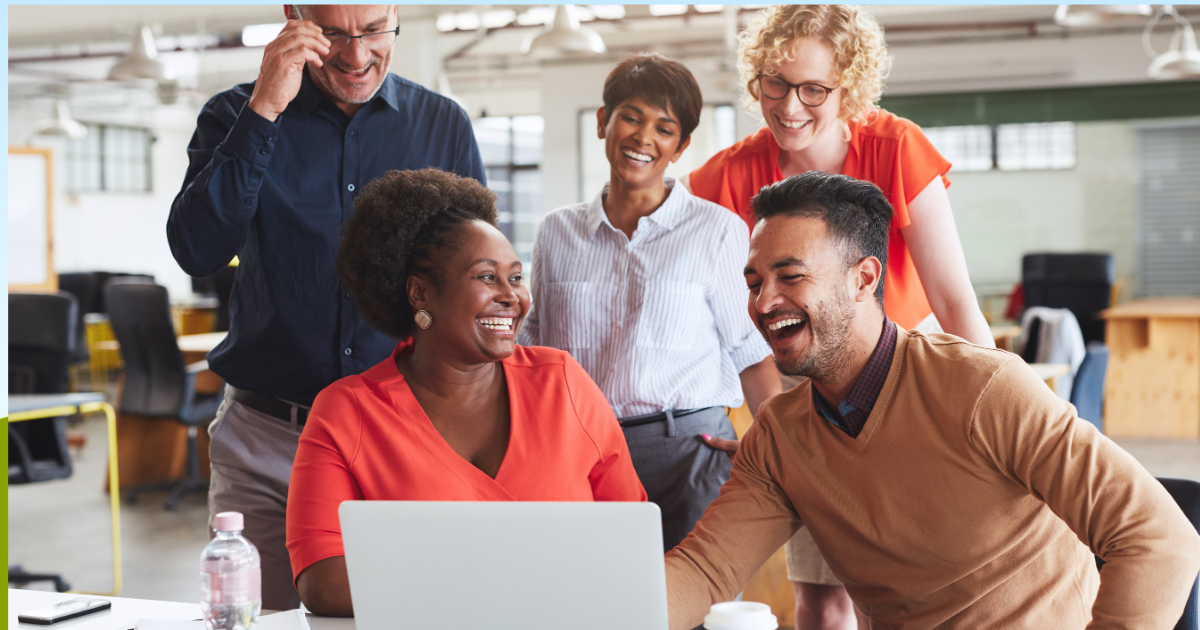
[[526, 565]]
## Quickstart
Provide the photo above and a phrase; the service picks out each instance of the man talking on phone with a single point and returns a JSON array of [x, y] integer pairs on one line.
[[274, 169]]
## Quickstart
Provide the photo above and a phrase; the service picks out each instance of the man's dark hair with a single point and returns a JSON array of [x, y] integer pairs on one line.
[[855, 212], [405, 223], [662, 82]]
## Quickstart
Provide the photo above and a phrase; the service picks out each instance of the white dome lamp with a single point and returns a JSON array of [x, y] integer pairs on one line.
[[143, 63], [60, 124], [1096, 14], [1182, 59], [564, 38]]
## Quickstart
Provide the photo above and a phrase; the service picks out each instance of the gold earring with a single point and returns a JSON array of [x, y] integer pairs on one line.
[[424, 319]]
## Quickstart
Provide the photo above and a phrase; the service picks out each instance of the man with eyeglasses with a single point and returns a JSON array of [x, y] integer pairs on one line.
[[274, 169]]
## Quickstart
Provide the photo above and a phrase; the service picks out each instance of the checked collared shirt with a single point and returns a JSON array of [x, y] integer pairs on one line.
[[851, 414]]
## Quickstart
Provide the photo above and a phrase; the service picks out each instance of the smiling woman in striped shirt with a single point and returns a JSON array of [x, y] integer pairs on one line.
[[643, 286]]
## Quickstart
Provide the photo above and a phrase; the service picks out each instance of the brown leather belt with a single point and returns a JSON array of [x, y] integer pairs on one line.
[[271, 406]]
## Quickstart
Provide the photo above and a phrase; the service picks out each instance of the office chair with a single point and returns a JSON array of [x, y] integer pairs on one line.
[[87, 293], [157, 383], [1087, 392], [1081, 283], [41, 339]]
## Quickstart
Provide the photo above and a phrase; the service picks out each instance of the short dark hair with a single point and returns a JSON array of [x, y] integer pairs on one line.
[[662, 82], [405, 223], [855, 212]]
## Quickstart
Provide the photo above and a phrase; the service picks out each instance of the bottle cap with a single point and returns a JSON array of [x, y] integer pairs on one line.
[[740, 616], [228, 522]]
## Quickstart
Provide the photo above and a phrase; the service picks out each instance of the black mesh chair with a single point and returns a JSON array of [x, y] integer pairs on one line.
[[41, 339], [157, 383], [87, 293], [1081, 283]]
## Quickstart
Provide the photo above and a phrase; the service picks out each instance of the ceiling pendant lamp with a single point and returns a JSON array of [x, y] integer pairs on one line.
[[1096, 14], [1182, 59], [60, 124], [565, 38], [142, 62]]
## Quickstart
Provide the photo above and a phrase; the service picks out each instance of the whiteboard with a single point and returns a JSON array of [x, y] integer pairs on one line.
[[29, 219]]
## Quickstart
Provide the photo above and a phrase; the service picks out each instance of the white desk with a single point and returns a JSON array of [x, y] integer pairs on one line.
[[125, 612]]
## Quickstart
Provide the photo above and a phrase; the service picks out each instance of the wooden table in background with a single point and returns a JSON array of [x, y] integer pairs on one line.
[[1153, 383], [1050, 372], [1006, 336]]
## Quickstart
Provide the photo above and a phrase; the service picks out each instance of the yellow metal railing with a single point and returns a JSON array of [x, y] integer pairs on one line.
[[114, 486]]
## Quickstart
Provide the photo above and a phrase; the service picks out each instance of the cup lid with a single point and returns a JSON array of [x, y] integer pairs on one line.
[[228, 522], [740, 616]]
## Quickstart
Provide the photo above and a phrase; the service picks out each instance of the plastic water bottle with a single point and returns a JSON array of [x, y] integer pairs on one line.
[[230, 578]]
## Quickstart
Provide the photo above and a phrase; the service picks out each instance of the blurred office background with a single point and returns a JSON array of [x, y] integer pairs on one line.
[[1062, 141]]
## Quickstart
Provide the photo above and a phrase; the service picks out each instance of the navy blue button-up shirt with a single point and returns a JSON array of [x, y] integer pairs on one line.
[[276, 195]]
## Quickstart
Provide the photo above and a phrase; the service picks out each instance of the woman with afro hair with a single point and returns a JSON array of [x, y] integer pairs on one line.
[[459, 412]]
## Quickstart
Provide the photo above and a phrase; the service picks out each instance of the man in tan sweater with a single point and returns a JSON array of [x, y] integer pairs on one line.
[[945, 484]]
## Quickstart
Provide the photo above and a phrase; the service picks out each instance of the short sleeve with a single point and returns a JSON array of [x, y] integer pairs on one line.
[[917, 163], [322, 478], [613, 477]]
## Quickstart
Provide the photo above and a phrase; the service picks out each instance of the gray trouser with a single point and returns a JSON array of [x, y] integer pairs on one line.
[[680, 472], [252, 455]]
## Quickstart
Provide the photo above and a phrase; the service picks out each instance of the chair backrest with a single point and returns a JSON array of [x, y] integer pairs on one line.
[[104, 277], [41, 338], [1186, 493], [1087, 392], [83, 286], [155, 375], [1079, 282]]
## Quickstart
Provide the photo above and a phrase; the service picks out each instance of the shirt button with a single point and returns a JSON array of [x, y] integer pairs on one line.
[[249, 200], [350, 187], [347, 351], [351, 134], [347, 296], [262, 151]]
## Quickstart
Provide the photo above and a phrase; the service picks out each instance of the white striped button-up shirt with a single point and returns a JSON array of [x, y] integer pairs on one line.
[[659, 321]]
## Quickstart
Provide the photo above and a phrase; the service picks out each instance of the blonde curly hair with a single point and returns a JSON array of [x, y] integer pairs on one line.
[[859, 54]]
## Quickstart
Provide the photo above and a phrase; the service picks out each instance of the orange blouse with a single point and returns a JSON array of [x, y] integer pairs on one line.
[[889, 151], [368, 438]]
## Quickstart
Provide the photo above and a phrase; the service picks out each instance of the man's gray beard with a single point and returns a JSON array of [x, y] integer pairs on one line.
[[832, 358], [329, 85]]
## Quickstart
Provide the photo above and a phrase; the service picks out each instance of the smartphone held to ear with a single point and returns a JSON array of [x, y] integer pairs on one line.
[[62, 611]]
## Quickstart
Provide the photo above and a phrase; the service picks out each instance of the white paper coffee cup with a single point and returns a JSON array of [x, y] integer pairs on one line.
[[740, 616]]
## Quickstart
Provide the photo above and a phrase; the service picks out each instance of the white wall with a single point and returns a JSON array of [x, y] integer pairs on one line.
[[119, 232], [1093, 207]]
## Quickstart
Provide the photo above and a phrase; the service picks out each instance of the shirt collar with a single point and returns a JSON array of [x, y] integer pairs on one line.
[[310, 96], [668, 215], [866, 389]]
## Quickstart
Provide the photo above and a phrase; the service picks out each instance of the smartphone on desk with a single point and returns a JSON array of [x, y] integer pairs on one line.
[[64, 610]]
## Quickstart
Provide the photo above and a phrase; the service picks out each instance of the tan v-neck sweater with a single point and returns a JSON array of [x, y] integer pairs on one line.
[[962, 504]]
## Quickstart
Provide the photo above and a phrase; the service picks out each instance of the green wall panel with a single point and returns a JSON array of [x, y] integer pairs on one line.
[[1107, 102]]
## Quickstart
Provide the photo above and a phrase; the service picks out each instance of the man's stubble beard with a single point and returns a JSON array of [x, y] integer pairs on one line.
[[321, 77], [829, 359]]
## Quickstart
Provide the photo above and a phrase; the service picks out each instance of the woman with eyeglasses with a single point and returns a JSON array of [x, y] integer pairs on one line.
[[814, 72]]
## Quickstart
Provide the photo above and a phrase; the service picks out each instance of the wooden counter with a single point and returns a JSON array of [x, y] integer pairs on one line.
[[1153, 383]]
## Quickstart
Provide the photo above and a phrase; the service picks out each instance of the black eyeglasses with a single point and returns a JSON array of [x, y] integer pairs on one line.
[[370, 41], [810, 94]]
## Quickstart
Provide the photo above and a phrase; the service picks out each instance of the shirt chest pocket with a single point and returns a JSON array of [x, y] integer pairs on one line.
[[671, 314], [568, 311]]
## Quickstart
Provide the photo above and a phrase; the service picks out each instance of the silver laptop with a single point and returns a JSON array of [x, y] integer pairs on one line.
[[521, 565]]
